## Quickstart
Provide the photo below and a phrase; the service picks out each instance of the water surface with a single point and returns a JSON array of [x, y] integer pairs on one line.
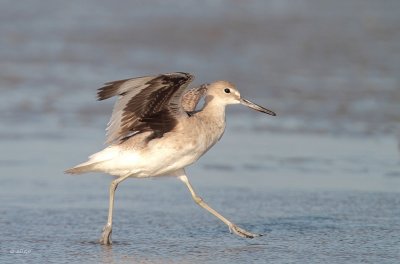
[[321, 180]]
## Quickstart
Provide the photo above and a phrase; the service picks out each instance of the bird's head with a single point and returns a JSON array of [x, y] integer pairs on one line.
[[226, 93]]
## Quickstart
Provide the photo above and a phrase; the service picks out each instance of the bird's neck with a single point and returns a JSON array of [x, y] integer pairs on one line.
[[214, 112], [211, 120]]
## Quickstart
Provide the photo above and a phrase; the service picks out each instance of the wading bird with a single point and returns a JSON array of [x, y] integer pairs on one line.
[[155, 130]]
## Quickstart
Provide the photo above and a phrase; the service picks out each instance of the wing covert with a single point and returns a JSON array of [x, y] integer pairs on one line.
[[150, 103]]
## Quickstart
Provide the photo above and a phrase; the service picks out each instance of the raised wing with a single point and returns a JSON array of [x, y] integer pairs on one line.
[[191, 97], [150, 103]]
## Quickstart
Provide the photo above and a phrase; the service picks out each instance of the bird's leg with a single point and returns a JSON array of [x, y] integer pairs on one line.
[[107, 229], [232, 227]]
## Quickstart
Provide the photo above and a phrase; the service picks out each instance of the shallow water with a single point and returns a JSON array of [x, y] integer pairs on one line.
[[321, 180], [315, 203]]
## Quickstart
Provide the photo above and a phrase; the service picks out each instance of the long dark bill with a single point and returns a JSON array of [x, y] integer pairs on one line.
[[256, 107]]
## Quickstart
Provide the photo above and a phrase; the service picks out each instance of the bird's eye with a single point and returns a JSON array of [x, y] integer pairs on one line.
[[227, 90]]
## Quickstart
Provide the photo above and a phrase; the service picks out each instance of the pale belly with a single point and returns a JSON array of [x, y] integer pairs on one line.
[[161, 157], [164, 156]]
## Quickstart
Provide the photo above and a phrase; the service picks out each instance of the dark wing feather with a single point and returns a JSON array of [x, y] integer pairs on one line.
[[111, 89], [151, 103]]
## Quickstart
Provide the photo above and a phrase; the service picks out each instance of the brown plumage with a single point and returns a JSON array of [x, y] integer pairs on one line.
[[151, 103], [155, 131], [192, 97]]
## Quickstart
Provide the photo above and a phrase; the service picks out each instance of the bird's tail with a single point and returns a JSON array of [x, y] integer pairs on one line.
[[92, 165], [81, 168]]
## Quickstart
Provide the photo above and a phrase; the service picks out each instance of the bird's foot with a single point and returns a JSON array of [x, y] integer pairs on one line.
[[241, 232], [106, 235]]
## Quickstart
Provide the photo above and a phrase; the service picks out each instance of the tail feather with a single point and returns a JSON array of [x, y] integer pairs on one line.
[[95, 159], [81, 169], [88, 166]]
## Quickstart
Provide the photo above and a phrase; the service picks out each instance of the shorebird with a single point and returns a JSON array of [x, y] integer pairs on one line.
[[155, 131]]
